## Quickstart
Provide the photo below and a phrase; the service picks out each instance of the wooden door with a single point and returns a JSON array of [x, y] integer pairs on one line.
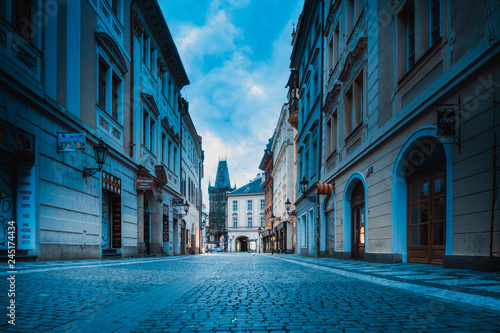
[[358, 222], [427, 216]]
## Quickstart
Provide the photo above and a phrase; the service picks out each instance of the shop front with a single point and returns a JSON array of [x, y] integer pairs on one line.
[[17, 191]]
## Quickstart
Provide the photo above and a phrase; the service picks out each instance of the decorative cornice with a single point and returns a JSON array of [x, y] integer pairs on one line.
[[150, 101], [113, 50], [138, 24]]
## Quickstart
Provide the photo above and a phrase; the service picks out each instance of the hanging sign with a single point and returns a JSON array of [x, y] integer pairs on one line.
[[446, 121], [70, 142], [144, 184], [26, 208]]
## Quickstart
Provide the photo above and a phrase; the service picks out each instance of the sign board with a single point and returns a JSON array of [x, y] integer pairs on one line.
[[166, 231], [446, 122], [111, 183], [144, 184], [26, 208], [17, 141], [70, 142], [177, 202]]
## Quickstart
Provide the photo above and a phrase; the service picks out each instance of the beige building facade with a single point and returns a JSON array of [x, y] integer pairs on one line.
[[410, 128]]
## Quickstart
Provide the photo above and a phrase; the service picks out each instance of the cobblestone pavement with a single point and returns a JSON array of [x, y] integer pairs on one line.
[[247, 292]]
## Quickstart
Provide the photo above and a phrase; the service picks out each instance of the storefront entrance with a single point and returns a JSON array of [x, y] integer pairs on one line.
[[147, 224], [358, 222], [7, 197]]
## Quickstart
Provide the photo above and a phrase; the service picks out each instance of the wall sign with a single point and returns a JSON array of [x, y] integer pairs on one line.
[[177, 202], [144, 184], [26, 208], [70, 142], [17, 141]]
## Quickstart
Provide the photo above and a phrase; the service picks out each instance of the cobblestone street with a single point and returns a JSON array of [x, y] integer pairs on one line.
[[246, 292]]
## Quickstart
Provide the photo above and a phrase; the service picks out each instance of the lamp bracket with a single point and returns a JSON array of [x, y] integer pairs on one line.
[[87, 172]]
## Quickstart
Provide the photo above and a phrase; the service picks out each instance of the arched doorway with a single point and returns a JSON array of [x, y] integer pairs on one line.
[[425, 175], [242, 244], [147, 224], [358, 229]]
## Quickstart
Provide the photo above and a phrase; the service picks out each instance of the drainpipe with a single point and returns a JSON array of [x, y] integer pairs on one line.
[[132, 71], [320, 137]]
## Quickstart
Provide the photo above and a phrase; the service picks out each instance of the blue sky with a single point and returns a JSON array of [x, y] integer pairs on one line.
[[237, 55]]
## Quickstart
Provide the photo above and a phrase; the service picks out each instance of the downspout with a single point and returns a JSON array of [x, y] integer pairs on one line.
[[494, 144], [132, 33], [320, 141]]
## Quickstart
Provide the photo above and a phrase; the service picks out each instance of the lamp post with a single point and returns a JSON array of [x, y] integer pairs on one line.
[[100, 153], [273, 237], [260, 232]]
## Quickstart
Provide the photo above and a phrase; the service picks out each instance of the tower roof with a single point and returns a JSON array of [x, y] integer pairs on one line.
[[222, 178]]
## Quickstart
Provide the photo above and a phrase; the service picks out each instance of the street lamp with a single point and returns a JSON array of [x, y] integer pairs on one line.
[[305, 184], [260, 232], [100, 153], [185, 207]]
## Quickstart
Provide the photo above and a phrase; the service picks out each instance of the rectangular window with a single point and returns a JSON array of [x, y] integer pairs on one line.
[[336, 45], [152, 59], [250, 222], [235, 222], [152, 135], [410, 38], [262, 221], [328, 137], [435, 21], [164, 154], [21, 16], [114, 97], [174, 166], [169, 154], [235, 205], [145, 42], [103, 71], [249, 204], [145, 124], [262, 204], [354, 104]]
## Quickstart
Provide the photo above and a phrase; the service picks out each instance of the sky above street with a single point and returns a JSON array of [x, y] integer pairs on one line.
[[237, 55]]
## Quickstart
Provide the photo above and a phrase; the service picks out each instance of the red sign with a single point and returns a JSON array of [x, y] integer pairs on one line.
[[144, 184], [165, 210], [177, 202]]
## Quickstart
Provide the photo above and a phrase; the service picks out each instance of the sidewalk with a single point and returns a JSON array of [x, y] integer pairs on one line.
[[470, 287]]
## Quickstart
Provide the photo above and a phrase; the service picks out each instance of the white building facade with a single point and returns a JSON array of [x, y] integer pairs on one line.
[[283, 175], [245, 216]]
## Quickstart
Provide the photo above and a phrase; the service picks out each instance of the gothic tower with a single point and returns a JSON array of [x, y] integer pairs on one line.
[[218, 198]]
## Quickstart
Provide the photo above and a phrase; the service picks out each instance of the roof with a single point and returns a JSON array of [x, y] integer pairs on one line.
[[254, 187], [222, 178]]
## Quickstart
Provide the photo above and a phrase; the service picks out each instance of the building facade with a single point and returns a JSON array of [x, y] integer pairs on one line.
[[409, 126], [284, 175], [305, 116], [266, 165], [191, 175], [245, 217], [75, 76]]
